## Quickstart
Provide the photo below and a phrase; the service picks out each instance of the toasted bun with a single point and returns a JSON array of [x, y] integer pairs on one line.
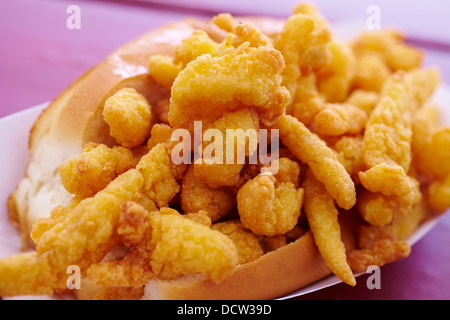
[[75, 118], [275, 274]]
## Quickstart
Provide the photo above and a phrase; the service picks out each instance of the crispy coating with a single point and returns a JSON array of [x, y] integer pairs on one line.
[[184, 247], [365, 100], [388, 133], [311, 10], [368, 103], [162, 110], [163, 70], [167, 245], [339, 119], [379, 209], [270, 206], [129, 116], [288, 171], [430, 146], [243, 76], [160, 175], [422, 83], [196, 195], [303, 45], [399, 229], [246, 243], [387, 155], [200, 216], [425, 121], [307, 101], [370, 73], [161, 133], [223, 159], [439, 194], [225, 22], [88, 226], [94, 169], [375, 208], [197, 44], [88, 236], [386, 179], [322, 216], [384, 251], [248, 33], [322, 160], [434, 153], [335, 79], [349, 154], [390, 47]]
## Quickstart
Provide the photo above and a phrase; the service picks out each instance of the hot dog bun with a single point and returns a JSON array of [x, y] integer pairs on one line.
[[275, 274], [75, 118]]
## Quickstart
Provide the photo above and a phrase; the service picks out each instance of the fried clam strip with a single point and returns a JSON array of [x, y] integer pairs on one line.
[[322, 216], [322, 160], [166, 245], [86, 231], [245, 75], [387, 152], [387, 138]]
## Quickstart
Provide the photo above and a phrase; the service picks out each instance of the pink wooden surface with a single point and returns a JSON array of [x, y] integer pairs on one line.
[[39, 57]]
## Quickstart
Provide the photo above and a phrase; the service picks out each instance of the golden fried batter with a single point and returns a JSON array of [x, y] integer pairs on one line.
[[223, 159], [339, 119], [322, 217], [384, 251], [322, 160], [94, 169], [196, 195], [302, 38], [335, 79], [184, 247], [243, 76], [271, 206], [246, 243], [390, 47], [129, 116]]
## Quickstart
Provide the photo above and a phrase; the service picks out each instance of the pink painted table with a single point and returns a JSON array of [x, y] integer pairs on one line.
[[40, 56]]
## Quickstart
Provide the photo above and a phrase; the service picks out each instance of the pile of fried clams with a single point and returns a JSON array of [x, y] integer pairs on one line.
[[362, 162]]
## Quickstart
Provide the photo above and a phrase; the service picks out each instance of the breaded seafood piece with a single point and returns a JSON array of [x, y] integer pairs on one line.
[[94, 169], [384, 251], [247, 244], [196, 195], [322, 160], [129, 117], [244, 76], [322, 216], [270, 205], [88, 227], [303, 43], [235, 137]]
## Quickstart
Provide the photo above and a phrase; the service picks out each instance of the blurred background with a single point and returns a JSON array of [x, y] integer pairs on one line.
[[40, 56]]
